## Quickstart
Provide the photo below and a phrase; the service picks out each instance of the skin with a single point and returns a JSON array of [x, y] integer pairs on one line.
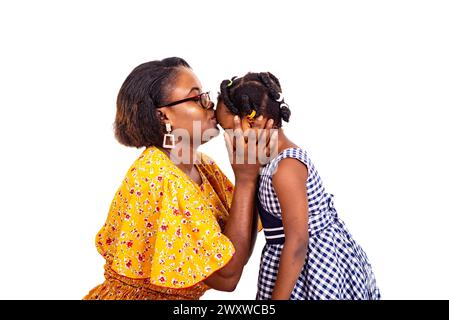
[[182, 116], [241, 226], [290, 175]]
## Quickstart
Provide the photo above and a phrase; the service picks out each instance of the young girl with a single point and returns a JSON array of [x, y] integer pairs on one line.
[[309, 252]]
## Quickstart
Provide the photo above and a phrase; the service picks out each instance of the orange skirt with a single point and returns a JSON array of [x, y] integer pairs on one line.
[[118, 287]]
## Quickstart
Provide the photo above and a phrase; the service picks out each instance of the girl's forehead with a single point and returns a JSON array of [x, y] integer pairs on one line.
[[222, 107]]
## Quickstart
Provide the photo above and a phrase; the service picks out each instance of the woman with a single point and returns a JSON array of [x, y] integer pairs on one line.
[[309, 252], [176, 226]]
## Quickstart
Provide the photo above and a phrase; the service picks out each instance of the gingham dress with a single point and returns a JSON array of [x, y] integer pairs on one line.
[[336, 267]]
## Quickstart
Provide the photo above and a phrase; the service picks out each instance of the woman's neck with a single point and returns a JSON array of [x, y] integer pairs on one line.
[[183, 155]]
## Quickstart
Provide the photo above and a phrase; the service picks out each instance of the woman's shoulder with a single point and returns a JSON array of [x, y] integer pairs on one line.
[[149, 170], [153, 162]]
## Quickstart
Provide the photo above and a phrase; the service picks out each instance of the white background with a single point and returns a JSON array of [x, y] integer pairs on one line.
[[367, 82]]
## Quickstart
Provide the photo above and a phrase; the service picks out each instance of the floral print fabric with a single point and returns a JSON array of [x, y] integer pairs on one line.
[[165, 228]]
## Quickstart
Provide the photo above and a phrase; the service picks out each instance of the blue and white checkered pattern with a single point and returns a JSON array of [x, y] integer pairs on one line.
[[336, 267]]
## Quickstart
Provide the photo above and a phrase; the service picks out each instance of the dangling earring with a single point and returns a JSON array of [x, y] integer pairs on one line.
[[169, 139]]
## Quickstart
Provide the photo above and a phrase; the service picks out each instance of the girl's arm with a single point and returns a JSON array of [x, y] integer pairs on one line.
[[289, 182]]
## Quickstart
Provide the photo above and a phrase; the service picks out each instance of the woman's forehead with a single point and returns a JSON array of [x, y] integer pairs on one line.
[[186, 81]]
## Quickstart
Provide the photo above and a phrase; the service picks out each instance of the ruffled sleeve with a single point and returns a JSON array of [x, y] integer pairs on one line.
[[161, 228], [189, 245], [222, 186]]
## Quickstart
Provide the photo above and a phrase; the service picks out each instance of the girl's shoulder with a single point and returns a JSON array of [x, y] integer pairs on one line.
[[297, 153], [292, 152]]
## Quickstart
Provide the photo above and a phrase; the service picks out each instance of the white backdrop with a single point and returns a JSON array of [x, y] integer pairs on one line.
[[367, 82]]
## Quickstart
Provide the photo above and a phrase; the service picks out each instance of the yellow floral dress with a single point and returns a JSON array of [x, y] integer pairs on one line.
[[163, 234]]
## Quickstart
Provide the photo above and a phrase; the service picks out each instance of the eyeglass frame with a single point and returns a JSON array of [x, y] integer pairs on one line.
[[194, 98]]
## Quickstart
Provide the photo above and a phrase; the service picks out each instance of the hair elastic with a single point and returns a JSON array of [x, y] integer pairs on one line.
[[251, 115], [281, 97]]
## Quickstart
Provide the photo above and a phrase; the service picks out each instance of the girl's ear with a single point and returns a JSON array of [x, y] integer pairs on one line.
[[259, 122]]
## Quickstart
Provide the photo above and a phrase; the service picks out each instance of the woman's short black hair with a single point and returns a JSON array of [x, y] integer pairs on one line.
[[259, 92], [137, 123]]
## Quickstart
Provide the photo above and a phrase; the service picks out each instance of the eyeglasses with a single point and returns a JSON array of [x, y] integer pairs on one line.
[[202, 98]]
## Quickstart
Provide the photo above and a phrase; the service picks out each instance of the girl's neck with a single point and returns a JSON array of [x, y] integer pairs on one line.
[[284, 142]]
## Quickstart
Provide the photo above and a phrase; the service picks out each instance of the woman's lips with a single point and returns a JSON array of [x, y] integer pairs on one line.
[[213, 119]]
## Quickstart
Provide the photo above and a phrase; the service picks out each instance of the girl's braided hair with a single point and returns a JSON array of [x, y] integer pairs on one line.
[[260, 92]]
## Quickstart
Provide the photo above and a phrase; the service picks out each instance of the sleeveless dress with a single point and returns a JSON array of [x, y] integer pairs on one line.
[[335, 267]]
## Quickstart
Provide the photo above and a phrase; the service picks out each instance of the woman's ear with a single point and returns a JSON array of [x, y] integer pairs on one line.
[[163, 115]]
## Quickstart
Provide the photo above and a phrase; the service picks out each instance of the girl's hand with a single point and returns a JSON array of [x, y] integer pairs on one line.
[[249, 149]]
